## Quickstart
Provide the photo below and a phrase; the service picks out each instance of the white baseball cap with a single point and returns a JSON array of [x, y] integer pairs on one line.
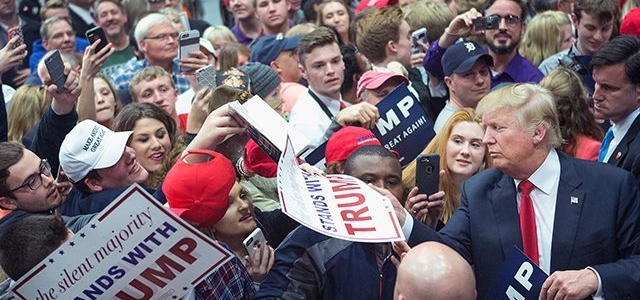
[[89, 146]]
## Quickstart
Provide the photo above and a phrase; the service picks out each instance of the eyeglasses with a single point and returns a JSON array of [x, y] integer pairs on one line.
[[35, 180], [163, 37], [510, 19]]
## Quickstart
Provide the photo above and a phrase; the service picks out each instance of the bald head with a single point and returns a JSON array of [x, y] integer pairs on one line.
[[434, 271]]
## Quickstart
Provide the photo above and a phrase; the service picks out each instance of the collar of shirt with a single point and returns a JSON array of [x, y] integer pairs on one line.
[[83, 13], [545, 177], [21, 22], [620, 129]]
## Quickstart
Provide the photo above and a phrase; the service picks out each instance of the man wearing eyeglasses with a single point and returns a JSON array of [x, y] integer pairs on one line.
[[158, 39], [508, 65]]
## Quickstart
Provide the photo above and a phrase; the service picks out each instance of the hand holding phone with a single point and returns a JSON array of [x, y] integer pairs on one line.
[[205, 77], [189, 42], [94, 34], [487, 23], [253, 241], [55, 67], [418, 38], [428, 173], [13, 32]]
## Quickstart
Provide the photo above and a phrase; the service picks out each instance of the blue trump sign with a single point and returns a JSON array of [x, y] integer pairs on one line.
[[519, 279], [403, 126]]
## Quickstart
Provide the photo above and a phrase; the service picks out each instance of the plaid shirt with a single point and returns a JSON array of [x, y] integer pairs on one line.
[[122, 77], [229, 282]]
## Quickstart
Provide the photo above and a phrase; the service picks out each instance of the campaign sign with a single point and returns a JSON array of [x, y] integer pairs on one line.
[[519, 279], [339, 206], [134, 249], [403, 125]]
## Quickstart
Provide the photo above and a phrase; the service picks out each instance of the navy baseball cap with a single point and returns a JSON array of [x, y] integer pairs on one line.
[[461, 57], [268, 47]]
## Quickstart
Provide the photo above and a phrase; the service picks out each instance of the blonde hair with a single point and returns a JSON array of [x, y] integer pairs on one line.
[[435, 16], [25, 110], [439, 145], [533, 106], [216, 32], [544, 36], [301, 29]]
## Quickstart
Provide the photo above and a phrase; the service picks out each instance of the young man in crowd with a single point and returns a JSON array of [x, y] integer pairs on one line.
[[274, 15], [321, 111], [594, 21]]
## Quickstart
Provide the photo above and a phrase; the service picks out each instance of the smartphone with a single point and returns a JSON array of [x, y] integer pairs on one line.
[[253, 240], [189, 42], [94, 34], [428, 173], [55, 67], [487, 23], [419, 35], [15, 31], [205, 76], [185, 21]]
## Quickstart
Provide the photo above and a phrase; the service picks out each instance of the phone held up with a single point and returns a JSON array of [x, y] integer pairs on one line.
[[96, 33], [55, 67], [205, 77], [428, 173], [419, 35], [13, 32], [253, 240], [487, 23], [189, 42]]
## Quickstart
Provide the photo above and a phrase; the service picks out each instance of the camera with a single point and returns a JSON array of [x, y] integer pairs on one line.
[[487, 23], [569, 61]]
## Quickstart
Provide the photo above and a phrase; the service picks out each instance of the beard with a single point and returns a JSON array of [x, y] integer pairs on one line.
[[500, 49]]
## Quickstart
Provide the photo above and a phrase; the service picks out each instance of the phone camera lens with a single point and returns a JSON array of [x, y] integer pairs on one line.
[[429, 169]]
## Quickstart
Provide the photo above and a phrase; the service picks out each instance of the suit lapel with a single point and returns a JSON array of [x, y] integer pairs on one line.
[[618, 155], [503, 200], [567, 216]]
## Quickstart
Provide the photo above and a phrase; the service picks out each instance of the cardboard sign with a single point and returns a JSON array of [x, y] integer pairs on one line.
[[403, 126], [134, 249], [519, 279], [339, 206]]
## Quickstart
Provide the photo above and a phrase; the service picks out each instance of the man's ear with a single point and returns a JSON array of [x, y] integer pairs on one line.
[[142, 45], [93, 185], [539, 134], [8, 203], [274, 66], [303, 72]]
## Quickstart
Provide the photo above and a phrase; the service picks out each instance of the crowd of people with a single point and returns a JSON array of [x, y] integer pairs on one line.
[[534, 105]]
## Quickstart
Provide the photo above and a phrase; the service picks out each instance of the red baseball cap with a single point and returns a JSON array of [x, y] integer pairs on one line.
[[346, 140], [199, 192], [257, 161], [364, 4], [631, 23]]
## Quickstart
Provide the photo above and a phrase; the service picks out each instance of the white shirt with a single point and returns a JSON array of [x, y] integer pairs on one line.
[[544, 196], [308, 117], [619, 131]]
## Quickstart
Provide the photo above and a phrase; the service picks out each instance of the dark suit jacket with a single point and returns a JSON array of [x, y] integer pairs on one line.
[[627, 154], [602, 230], [79, 25]]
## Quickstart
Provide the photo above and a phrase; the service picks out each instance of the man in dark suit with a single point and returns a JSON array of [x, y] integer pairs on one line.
[[579, 221], [616, 71], [81, 17]]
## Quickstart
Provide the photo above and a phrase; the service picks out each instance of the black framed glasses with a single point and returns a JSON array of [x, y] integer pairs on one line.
[[35, 180], [510, 19]]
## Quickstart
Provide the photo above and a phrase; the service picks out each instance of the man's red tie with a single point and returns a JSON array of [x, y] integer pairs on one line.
[[528, 221], [342, 105]]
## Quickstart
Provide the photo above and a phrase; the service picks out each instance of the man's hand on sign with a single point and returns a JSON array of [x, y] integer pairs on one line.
[[364, 113]]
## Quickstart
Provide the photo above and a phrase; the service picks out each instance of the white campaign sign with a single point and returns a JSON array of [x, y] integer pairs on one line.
[[134, 249], [339, 206]]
